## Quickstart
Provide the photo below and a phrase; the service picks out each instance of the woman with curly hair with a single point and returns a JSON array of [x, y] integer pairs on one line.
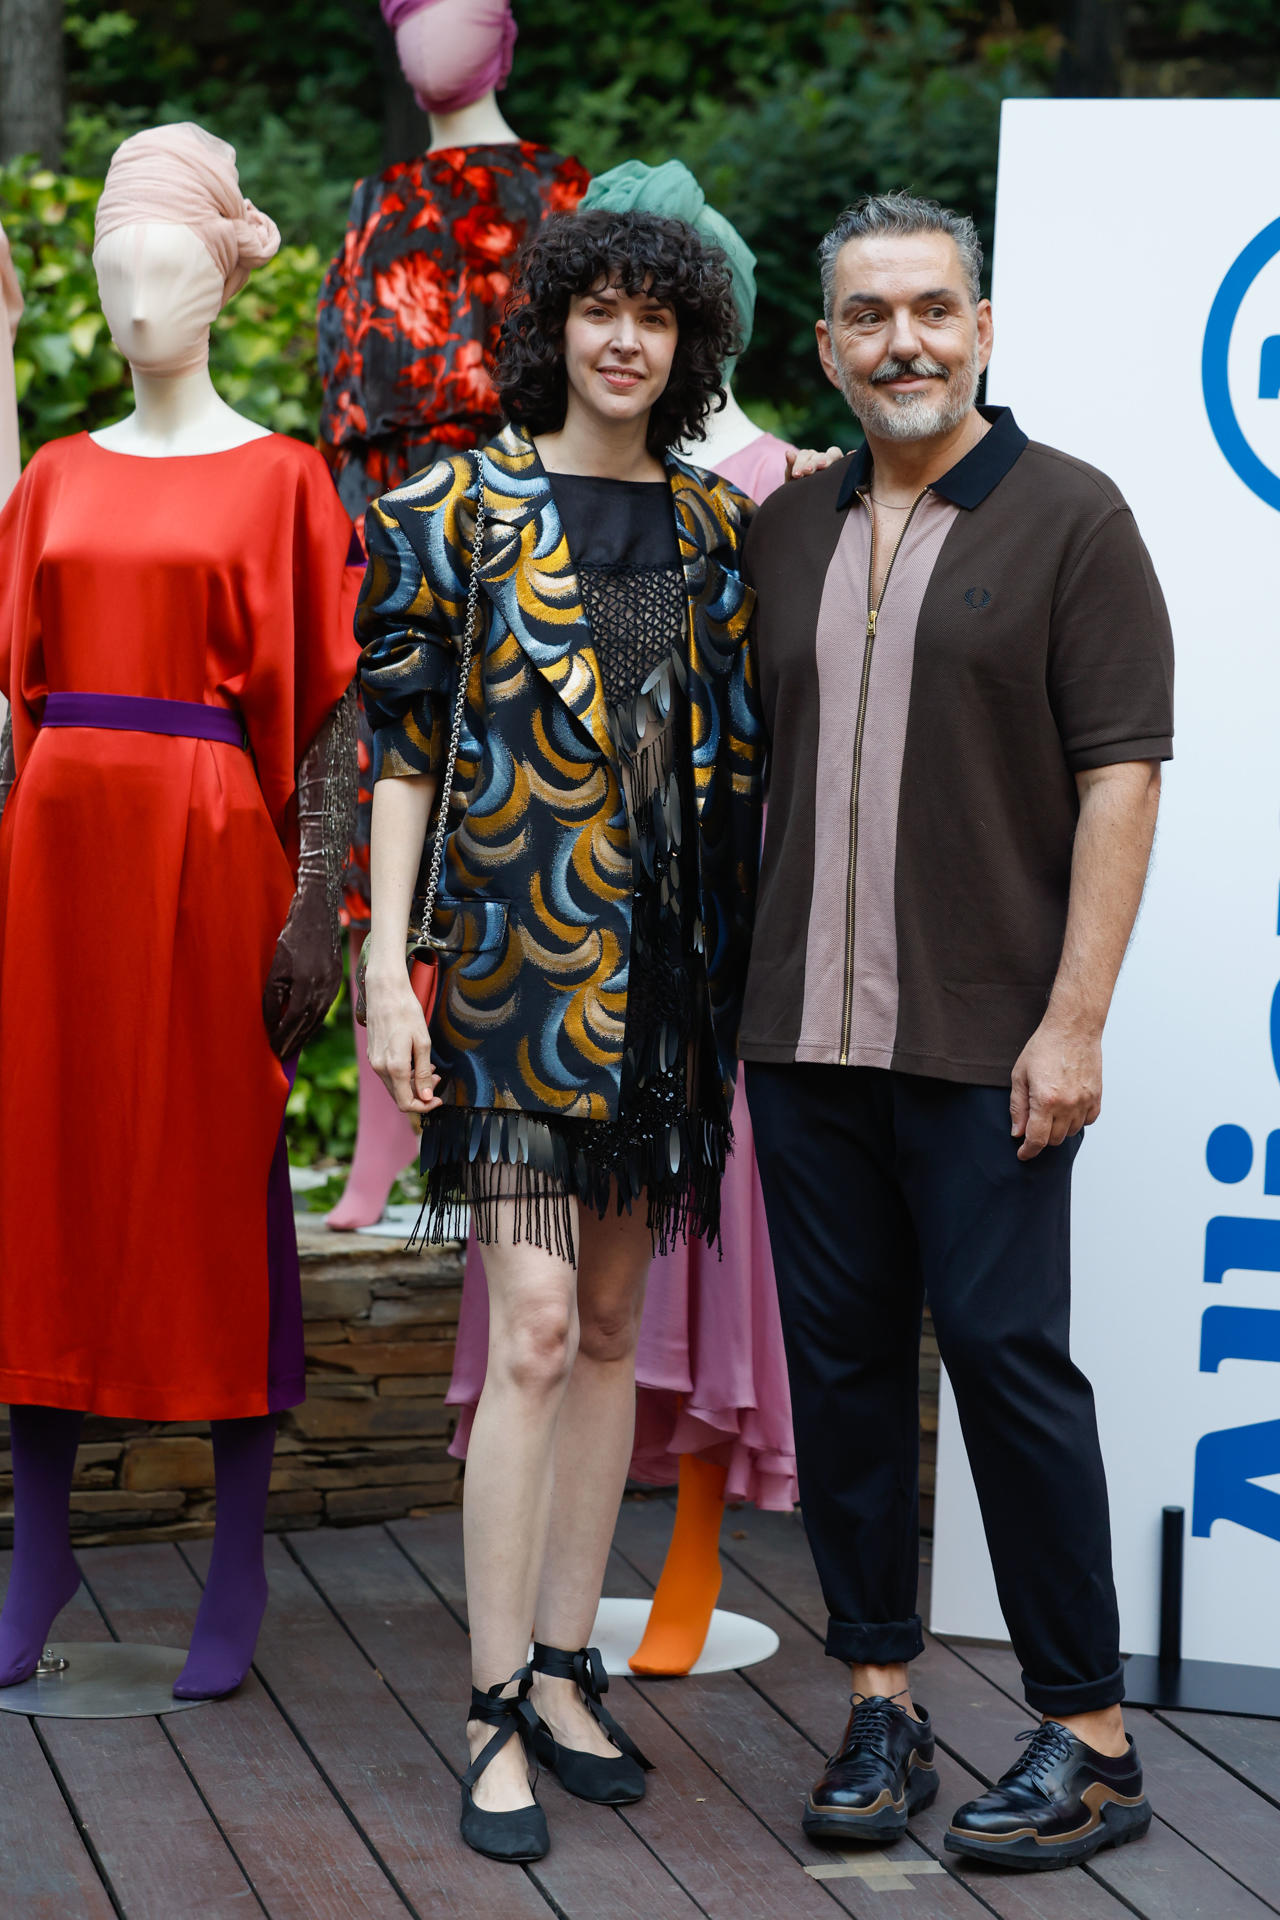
[[591, 921]]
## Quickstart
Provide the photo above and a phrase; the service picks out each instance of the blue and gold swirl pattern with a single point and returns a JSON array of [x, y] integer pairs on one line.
[[534, 916]]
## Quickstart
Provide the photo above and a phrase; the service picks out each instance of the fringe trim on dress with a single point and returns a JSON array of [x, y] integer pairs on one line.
[[494, 1161]]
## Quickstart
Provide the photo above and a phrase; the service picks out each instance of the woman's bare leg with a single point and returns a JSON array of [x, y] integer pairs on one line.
[[507, 1493], [594, 1437]]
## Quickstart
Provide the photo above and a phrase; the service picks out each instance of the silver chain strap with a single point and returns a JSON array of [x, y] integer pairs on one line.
[[459, 708]]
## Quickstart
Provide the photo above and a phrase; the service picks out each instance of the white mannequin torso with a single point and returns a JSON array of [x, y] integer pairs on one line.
[[160, 291]]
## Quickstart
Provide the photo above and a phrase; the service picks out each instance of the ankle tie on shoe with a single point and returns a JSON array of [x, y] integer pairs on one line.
[[588, 1670], [511, 1714]]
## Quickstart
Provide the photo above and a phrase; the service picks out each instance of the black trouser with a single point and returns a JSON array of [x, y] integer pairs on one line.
[[884, 1190]]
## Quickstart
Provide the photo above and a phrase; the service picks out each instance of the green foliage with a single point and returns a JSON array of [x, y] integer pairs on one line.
[[68, 373], [322, 1106]]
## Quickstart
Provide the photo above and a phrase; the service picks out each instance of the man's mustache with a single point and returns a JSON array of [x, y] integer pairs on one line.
[[921, 368]]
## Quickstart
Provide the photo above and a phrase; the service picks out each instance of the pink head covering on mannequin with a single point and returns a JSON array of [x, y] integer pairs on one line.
[[469, 52], [185, 177]]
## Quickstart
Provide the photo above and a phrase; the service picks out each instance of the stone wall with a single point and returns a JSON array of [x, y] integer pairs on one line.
[[370, 1441]]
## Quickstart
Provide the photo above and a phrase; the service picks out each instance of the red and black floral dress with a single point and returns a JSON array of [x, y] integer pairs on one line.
[[407, 328]]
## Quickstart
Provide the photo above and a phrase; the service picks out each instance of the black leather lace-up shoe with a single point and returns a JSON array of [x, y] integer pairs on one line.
[[1058, 1803], [882, 1774]]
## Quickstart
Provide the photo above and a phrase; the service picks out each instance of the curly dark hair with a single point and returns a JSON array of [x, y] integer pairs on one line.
[[641, 253]]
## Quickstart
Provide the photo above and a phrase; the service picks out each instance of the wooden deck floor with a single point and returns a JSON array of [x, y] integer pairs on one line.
[[326, 1789]]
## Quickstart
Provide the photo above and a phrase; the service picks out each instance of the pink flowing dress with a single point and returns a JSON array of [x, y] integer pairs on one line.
[[711, 1374]]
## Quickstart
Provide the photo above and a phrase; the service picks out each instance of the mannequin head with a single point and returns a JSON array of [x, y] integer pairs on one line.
[[671, 191], [160, 291], [452, 52], [174, 239]]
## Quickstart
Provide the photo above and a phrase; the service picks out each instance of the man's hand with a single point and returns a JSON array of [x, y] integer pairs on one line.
[[306, 973], [806, 460], [1057, 1086]]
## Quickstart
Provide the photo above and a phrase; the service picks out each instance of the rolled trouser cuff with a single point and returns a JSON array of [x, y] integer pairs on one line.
[[1085, 1696], [880, 1643]]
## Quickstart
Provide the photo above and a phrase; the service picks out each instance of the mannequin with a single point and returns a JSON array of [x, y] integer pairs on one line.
[[153, 559], [712, 1403], [407, 324]]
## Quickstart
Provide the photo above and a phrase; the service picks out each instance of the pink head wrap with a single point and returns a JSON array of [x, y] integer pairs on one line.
[[471, 46], [187, 178]]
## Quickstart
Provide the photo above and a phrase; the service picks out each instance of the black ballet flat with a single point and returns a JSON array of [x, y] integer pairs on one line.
[[520, 1835], [613, 1781]]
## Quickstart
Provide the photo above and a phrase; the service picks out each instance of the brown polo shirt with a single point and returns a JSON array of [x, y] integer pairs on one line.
[[922, 800]]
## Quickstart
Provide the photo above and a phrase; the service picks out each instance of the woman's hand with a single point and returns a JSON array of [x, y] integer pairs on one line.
[[399, 1043], [807, 460]]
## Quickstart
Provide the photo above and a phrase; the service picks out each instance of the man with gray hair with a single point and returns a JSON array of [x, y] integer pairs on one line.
[[966, 670]]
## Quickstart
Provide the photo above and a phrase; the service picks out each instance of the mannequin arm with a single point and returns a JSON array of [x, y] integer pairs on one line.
[[7, 766], [307, 969]]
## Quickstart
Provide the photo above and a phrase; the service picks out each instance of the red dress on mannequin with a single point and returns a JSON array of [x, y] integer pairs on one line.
[[140, 1101]]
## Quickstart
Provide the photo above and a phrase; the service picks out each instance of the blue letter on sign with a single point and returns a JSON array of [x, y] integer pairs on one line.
[[1227, 1464], [1269, 372], [1238, 1333], [1252, 1245]]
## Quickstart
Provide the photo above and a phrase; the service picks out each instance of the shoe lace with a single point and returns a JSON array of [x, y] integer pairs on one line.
[[1048, 1744], [868, 1725]]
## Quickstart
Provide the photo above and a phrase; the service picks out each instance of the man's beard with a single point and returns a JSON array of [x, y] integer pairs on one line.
[[912, 416]]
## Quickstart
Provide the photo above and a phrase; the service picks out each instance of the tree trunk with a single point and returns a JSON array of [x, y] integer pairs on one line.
[[32, 86], [406, 130], [1093, 48]]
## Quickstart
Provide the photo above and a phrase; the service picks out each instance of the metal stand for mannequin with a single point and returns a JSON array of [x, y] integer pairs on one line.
[[100, 1680], [733, 1640], [1193, 1686]]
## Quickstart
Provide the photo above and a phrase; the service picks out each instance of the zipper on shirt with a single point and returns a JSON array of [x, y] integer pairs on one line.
[[873, 614]]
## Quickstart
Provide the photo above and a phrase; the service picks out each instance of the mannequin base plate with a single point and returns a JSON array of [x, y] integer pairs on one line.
[[733, 1640], [102, 1680]]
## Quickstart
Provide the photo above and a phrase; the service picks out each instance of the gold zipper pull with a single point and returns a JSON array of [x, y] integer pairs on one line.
[[871, 622]]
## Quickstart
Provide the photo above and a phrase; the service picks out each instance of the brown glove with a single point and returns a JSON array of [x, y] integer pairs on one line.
[[306, 972]]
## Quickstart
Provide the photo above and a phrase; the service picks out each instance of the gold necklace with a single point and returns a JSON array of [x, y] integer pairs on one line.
[[888, 505]]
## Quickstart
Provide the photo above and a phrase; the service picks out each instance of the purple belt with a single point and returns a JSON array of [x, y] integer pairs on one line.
[[127, 713]]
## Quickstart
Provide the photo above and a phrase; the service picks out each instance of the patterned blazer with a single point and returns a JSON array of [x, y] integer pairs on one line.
[[533, 918]]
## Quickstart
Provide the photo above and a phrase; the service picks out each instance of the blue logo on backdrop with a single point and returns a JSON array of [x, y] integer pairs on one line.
[[1229, 434]]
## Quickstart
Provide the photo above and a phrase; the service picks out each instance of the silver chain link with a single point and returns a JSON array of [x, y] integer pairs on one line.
[[459, 708]]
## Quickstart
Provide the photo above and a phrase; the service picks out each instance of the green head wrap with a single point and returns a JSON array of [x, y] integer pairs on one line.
[[672, 191]]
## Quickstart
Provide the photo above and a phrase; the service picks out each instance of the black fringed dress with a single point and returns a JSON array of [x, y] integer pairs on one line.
[[667, 1146]]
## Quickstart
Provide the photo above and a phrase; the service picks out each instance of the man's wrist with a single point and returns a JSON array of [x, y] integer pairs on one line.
[[1067, 1015]]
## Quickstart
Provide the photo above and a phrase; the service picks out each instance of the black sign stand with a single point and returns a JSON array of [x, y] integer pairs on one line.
[[1165, 1680]]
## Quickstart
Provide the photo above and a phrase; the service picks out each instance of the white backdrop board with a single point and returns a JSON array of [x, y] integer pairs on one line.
[[1137, 312]]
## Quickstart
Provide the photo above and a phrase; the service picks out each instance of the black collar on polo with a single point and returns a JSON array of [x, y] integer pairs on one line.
[[968, 483]]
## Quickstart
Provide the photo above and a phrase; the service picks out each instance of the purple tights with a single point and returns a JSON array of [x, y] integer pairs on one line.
[[45, 1575], [235, 1588]]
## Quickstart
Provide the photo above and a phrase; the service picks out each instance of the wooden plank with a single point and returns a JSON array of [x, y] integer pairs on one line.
[[304, 1857], [801, 1685], [1250, 1748], [159, 1848], [47, 1873], [155, 1842], [1208, 1806], [597, 1866], [386, 1774]]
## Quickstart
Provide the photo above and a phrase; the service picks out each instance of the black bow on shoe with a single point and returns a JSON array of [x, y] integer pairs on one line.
[[610, 1781]]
